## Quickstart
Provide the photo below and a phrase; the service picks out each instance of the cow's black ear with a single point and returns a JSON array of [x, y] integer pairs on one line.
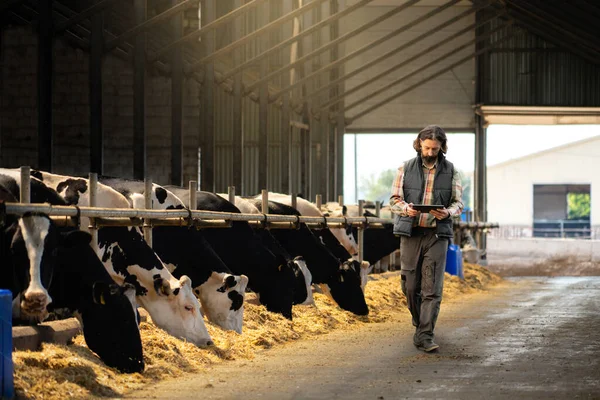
[[99, 291], [76, 238], [162, 287]]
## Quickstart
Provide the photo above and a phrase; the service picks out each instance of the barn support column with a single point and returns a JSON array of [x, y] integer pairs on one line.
[[95, 83], [139, 94], [207, 108], [263, 108], [481, 65], [332, 151], [177, 102], [45, 83], [286, 129], [480, 178], [238, 134]]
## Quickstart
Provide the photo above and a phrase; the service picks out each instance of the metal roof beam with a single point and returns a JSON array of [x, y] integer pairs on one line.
[[426, 51], [332, 43], [212, 25], [556, 25], [556, 40], [389, 53], [271, 25], [427, 79], [328, 21], [96, 8], [149, 23]]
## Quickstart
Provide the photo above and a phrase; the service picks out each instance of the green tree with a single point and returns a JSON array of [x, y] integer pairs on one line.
[[578, 205], [376, 188]]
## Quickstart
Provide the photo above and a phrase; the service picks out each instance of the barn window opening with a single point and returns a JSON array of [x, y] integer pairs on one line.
[[562, 210]]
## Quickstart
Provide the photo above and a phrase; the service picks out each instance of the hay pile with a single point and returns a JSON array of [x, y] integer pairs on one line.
[[73, 371]]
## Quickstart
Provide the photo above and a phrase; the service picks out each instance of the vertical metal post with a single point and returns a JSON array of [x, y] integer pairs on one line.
[[93, 182], [341, 200], [238, 134], [265, 201], [45, 76], [481, 66], [304, 150], [361, 232], [148, 206], [294, 200], [177, 101], [332, 167], [207, 108], [319, 201], [286, 147], [231, 194], [263, 109], [139, 94], [25, 188], [378, 267], [324, 164], [193, 194], [95, 95]]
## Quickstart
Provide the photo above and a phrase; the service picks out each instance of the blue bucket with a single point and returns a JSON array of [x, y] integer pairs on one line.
[[454, 261], [7, 388]]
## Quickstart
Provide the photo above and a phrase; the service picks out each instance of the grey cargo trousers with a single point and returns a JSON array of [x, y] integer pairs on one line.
[[423, 263]]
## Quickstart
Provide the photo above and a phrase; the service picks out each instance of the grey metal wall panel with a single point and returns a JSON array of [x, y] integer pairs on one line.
[[528, 71]]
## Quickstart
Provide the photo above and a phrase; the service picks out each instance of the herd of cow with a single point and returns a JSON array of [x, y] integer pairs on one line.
[[186, 275]]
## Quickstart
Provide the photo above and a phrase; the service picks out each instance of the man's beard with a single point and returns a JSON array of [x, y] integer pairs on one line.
[[429, 159]]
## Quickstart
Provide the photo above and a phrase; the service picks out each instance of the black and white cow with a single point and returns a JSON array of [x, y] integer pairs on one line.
[[51, 267], [306, 208], [378, 242], [186, 252], [128, 259], [302, 288], [340, 241], [271, 277], [340, 276]]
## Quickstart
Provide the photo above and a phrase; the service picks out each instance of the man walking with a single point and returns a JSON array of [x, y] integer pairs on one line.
[[427, 179]]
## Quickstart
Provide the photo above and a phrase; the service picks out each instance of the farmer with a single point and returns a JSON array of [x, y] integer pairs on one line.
[[427, 179]]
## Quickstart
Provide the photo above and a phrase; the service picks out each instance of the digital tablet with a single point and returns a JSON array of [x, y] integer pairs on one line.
[[425, 208]]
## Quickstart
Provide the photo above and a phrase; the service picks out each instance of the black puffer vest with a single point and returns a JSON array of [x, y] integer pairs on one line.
[[413, 188]]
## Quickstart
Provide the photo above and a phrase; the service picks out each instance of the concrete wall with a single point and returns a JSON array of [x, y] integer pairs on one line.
[[18, 111], [510, 184], [584, 250]]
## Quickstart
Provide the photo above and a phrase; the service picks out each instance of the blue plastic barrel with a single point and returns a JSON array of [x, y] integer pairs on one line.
[[7, 388], [454, 261]]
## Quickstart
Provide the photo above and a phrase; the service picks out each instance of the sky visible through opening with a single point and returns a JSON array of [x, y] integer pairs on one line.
[[376, 153]]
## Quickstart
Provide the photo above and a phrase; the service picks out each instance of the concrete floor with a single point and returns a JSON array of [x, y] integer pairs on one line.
[[535, 338]]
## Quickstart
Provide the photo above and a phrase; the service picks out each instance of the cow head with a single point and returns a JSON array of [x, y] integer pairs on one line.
[[107, 312], [33, 252], [110, 326], [345, 287], [169, 301], [303, 278], [222, 298], [345, 236], [277, 295], [174, 308]]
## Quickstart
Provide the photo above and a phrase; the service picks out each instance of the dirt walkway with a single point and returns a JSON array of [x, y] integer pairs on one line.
[[538, 338]]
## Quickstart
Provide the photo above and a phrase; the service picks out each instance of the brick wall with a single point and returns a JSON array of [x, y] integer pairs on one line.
[[71, 154]]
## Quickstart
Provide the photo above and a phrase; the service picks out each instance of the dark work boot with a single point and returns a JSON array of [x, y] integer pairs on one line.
[[427, 345]]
